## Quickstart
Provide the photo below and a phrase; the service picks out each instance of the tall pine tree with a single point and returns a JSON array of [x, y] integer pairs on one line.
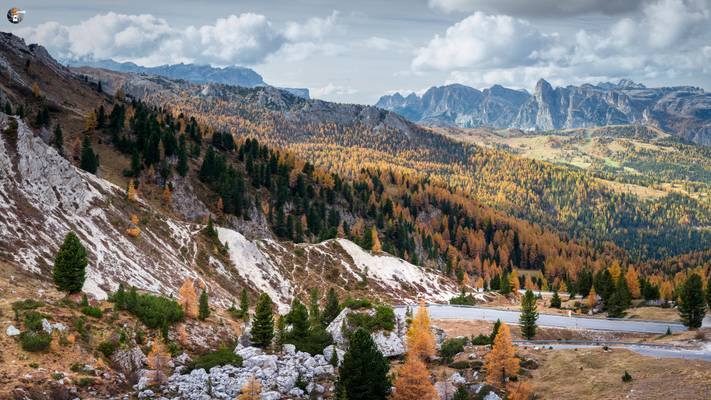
[[363, 374], [89, 161], [692, 307], [263, 324], [332, 309], [529, 315], [70, 265], [204, 310]]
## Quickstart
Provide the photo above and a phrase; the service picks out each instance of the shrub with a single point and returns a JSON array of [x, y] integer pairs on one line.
[[92, 311], [107, 348], [355, 304], [155, 311], [481, 340], [35, 341], [314, 342], [85, 381], [384, 319], [463, 300], [34, 365], [460, 365], [27, 304], [626, 377], [82, 328], [80, 368], [57, 376], [222, 356], [452, 347], [33, 321]]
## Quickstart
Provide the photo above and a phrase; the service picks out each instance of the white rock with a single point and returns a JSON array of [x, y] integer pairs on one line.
[[262, 362], [289, 349], [12, 331], [248, 352], [492, 396], [328, 353], [296, 392], [271, 395], [389, 343], [457, 379], [46, 326]]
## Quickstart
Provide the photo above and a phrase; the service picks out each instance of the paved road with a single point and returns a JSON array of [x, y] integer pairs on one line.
[[438, 311]]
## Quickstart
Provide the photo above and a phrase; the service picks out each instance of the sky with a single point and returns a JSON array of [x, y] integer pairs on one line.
[[357, 50]]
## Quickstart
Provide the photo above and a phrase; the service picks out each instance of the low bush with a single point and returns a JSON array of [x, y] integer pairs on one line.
[[626, 377], [481, 340], [92, 311], [85, 381], [108, 348], [223, 356], [463, 300], [452, 347], [355, 304], [460, 365], [384, 319], [313, 343], [35, 341], [155, 311], [33, 321], [27, 304]]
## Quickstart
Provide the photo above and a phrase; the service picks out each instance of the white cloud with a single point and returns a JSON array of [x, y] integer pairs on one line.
[[383, 44], [482, 40], [236, 39], [331, 90], [667, 41], [539, 8]]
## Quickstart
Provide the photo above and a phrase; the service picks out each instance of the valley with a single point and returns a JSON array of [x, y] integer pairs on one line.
[[186, 231]]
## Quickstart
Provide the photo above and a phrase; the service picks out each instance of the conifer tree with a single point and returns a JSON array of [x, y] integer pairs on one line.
[[263, 324], [332, 309], [120, 297], [70, 265], [592, 298], [461, 393], [692, 307], [363, 374], [413, 381], [555, 300], [314, 312], [377, 247], [89, 162], [495, 330], [158, 361], [244, 305], [708, 293], [505, 285], [529, 315], [182, 167], [58, 139], [204, 311], [298, 317], [210, 230], [632, 280], [501, 362], [420, 339]]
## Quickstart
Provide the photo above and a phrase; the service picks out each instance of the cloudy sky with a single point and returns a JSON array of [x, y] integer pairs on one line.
[[357, 50]]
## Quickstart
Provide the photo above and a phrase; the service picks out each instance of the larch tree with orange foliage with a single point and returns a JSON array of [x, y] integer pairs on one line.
[[420, 339], [501, 362], [158, 361], [377, 247], [251, 390], [592, 298], [188, 298], [413, 381], [632, 278]]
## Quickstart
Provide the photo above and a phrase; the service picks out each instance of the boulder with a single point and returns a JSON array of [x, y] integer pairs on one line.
[[492, 396], [288, 349], [12, 331], [328, 353], [261, 361], [457, 379], [129, 360], [248, 352], [389, 343], [46, 326], [270, 395]]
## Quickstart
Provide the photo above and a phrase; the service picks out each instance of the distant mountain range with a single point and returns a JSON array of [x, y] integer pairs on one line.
[[683, 110], [233, 75]]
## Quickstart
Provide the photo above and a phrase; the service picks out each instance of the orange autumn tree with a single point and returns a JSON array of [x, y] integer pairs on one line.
[[592, 298], [632, 279], [501, 362], [188, 298], [377, 247], [413, 381], [420, 339], [158, 360], [520, 390], [251, 390]]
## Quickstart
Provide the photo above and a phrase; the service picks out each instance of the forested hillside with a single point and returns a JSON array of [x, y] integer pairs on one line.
[[346, 137]]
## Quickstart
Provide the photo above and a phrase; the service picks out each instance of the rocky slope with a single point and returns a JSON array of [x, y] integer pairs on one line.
[[231, 75], [43, 196], [684, 110]]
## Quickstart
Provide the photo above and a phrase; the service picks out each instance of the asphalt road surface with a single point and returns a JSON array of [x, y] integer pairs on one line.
[[439, 311]]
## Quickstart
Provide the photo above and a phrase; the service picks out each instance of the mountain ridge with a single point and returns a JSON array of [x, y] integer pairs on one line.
[[684, 111]]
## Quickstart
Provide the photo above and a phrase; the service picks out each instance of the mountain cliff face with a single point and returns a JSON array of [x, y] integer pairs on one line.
[[231, 75], [684, 111]]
